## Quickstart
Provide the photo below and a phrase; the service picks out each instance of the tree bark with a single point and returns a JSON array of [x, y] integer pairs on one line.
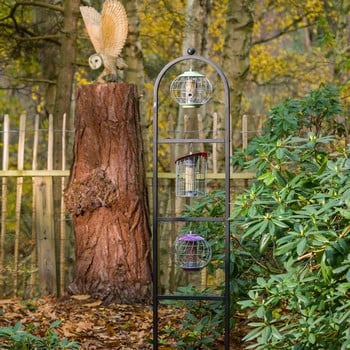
[[63, 99], [235, 63], [134, 74], [196, 29], [107, 197], [195, 36]]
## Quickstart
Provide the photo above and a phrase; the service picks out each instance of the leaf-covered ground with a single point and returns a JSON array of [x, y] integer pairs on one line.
[[94, 326]]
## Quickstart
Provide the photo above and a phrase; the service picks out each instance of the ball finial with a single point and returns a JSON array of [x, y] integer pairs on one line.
[[191, 51]]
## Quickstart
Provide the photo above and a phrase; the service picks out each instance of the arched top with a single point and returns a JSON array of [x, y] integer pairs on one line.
[[198, 58]]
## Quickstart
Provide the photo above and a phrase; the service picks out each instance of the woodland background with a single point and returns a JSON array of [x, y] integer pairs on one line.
[[277, 49], [269, 50]]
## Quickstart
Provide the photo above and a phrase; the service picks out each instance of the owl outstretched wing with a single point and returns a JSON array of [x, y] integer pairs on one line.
[[114, 27], [92, 21]]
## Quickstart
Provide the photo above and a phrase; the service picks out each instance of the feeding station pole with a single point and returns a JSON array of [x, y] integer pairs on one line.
[[191, 89]]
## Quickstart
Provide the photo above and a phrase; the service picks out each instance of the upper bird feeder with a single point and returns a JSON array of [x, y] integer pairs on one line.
[[191, 175], [191, 89], [192, 252]]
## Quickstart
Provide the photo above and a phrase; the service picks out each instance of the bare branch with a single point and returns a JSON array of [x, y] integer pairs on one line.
[[38, 81], [38, 4], [293, 27], [22, 30], [49, 37]]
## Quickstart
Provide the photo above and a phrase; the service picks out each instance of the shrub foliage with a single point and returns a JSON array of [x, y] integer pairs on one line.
[[298, 215], [290, 253]]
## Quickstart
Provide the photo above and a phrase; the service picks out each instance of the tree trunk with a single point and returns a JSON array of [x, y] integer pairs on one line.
[[107, 197], [63, 99], [134, 74], [196, 29], [342, 49], [235, 64], [196, 32]]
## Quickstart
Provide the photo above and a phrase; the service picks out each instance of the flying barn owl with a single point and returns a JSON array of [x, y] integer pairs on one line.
[[107, 32]]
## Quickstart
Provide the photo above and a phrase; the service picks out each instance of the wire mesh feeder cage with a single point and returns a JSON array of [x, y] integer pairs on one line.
[[191, 89], [192, 252], [191, 175]]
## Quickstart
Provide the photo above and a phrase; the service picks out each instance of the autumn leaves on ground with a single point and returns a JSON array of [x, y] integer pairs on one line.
[[91, 324]]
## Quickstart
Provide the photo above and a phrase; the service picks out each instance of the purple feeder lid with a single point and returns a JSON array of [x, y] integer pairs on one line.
[[191, 237]]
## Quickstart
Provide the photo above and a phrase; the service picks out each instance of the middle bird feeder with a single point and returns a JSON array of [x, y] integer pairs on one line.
[[191, 175]]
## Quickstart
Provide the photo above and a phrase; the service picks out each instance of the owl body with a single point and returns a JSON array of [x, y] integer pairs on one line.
[[107, 32]]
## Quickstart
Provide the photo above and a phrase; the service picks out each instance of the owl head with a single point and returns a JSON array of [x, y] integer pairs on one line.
[[95, 61]]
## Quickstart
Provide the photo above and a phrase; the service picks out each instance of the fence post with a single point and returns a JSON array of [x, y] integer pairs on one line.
[[244, 131], [62, 243], [5, 165], [45, 225], [33, 258], [45, 235], [19, 191]]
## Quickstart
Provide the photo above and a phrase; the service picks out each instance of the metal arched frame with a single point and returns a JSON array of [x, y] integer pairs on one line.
[[156, 219]]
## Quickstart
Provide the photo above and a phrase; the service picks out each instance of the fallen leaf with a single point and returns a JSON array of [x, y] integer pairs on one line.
[[93, 304], [8, 301], [81, 297]]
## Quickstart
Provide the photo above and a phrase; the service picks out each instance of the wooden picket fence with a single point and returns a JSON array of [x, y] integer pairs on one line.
[[28, 245], [36, 241]]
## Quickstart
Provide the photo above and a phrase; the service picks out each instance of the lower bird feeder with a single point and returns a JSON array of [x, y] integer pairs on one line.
[[191, 175], [192, 252]]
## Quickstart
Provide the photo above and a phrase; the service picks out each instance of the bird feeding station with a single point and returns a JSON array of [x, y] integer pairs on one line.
[[192, 252], [191, 175], [191, 89]]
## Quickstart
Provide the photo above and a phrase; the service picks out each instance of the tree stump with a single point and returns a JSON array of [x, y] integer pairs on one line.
[[107, 197]]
